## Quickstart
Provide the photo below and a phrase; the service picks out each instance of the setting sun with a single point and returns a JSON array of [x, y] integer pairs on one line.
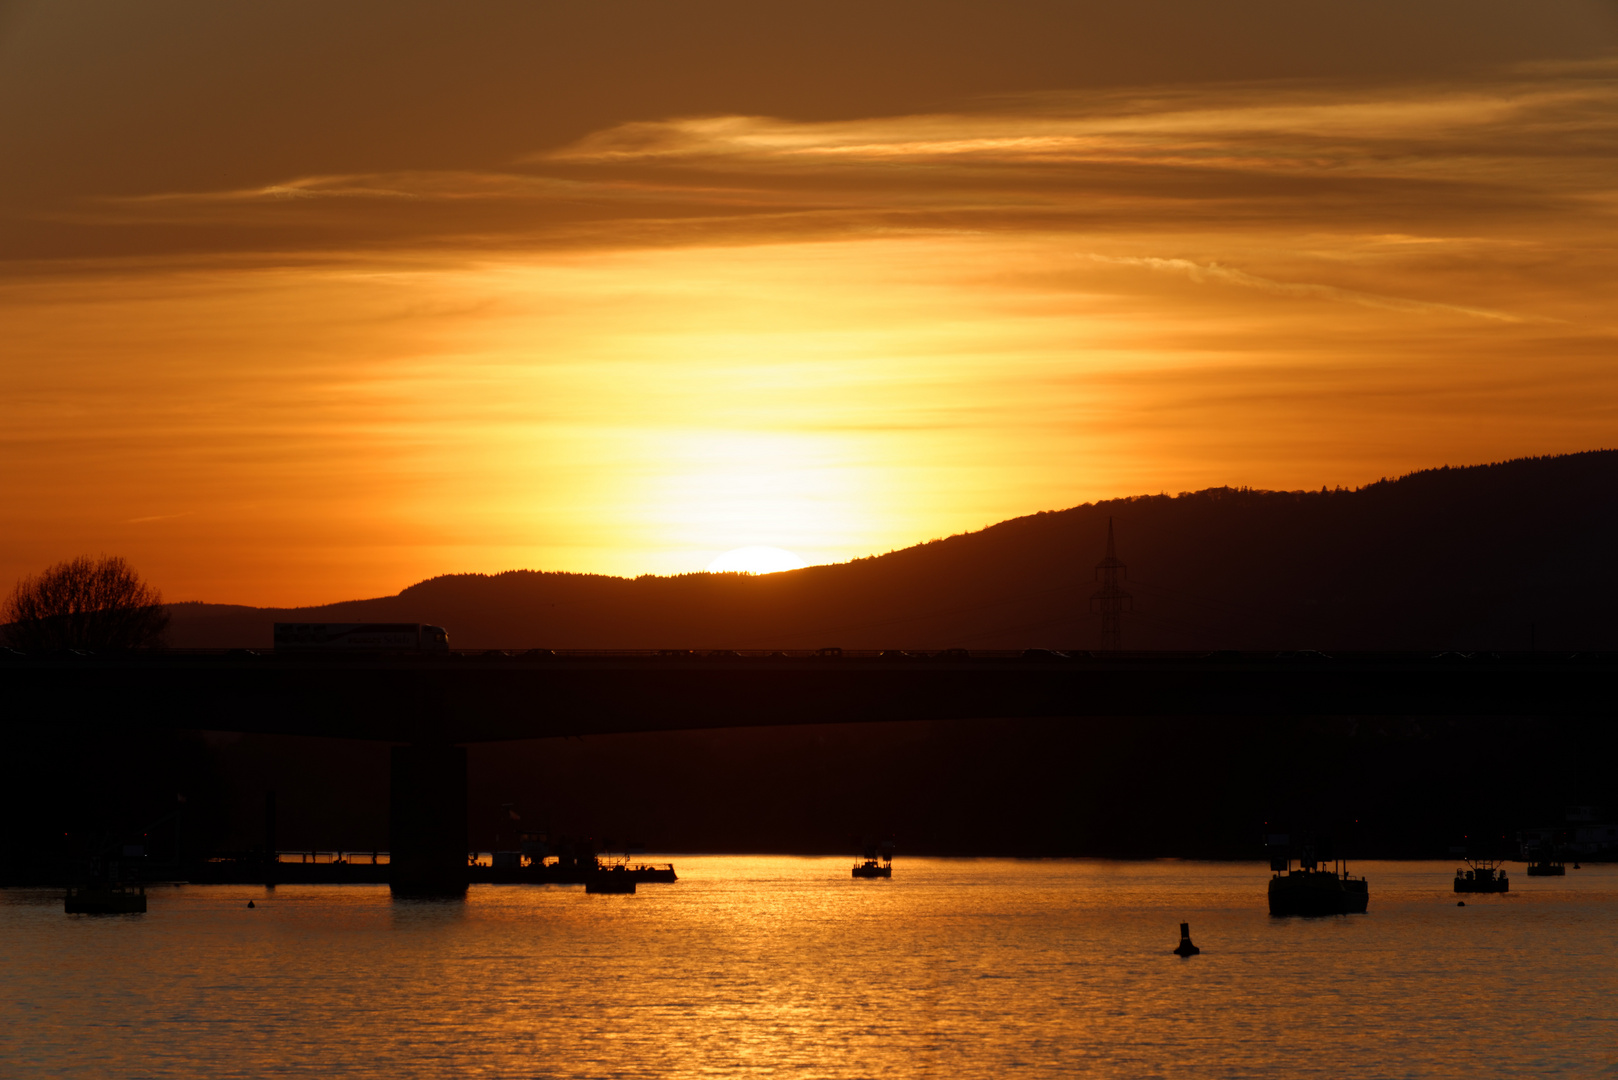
[[948, 471], [622, 339], [756, 559]]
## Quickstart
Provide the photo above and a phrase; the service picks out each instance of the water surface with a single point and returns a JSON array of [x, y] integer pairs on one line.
[[783, 966]]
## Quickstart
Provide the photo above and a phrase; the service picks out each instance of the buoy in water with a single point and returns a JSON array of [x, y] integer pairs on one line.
[[1460, 903], [1185, 948], [250, 903]]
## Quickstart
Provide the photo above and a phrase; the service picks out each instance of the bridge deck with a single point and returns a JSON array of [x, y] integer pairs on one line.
[[467, 697]]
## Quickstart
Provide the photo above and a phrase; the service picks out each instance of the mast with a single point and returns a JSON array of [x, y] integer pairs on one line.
[[1110, 598]]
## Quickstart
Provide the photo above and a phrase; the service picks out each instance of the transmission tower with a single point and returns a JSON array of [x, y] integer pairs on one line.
[[1110, 598]]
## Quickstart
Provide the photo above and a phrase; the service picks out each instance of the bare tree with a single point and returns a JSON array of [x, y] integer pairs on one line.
[[84, 603]]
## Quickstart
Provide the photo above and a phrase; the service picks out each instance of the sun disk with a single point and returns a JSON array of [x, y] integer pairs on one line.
[[755, 560]]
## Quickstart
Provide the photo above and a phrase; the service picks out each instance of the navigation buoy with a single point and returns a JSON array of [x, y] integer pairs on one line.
[[1460, 903], [1185, 948], [250, 903]]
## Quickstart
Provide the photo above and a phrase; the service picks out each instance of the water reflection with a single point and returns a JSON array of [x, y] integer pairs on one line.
[[959, 968], [422, 912]]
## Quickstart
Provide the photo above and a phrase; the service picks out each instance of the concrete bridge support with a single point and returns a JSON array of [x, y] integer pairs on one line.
[[427, 819]]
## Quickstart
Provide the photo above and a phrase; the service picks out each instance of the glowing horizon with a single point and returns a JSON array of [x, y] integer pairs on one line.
[[654, 337], [756, 559]]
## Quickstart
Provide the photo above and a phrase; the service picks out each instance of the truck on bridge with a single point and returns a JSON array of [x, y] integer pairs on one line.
[[368, 637]]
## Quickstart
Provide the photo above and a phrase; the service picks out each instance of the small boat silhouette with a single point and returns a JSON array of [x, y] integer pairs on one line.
[[106, 898], [617, 879], [878, 862], [1311, 889], [1542, 863], [1486, 876]]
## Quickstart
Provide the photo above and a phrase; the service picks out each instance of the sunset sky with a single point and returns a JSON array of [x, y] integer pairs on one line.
[[302, 302]]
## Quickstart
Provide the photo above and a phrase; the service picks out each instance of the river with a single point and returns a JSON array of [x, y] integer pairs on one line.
[[774, 966]]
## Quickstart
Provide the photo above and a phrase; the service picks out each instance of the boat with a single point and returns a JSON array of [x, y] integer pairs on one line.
[[1485, 876], [611, 880], [878, 861], [870, 868], [1588, 833], [106, 898], [1542, 863], [1312, 889], [640, 873], [553, 860]]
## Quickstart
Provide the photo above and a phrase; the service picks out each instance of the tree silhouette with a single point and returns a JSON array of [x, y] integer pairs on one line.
[[84, 603]]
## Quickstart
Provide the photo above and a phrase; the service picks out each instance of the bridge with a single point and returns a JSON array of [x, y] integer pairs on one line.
[[430, 706]]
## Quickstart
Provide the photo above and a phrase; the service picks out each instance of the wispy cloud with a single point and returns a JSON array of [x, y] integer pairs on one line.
[[1227, 158], [1299, 127], [447, 184], [617, 353], [1202, 272], [1490, 200]]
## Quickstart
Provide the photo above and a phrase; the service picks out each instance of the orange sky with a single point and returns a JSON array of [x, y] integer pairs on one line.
[[303, 303]]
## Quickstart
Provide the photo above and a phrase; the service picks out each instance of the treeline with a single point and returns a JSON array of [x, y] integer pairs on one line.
[[1492, 557]]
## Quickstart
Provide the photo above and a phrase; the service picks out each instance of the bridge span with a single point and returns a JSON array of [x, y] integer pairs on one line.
[[490, 696], [432, 705]]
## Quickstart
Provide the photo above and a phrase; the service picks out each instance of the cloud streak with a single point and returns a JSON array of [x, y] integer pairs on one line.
[[1200, 272], [638, 346], [1536, 154]]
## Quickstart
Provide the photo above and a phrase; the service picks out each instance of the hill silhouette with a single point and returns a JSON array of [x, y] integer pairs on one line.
[[1492, 557], [1472, 558]]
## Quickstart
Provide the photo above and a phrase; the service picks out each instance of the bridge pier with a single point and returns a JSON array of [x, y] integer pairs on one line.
[[427, 819]]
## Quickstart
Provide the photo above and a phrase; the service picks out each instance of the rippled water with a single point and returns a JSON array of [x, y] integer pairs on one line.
[[763, 966]]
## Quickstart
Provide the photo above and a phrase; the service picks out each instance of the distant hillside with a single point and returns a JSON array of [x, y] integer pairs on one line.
[[1464, 558], [1467, 559]]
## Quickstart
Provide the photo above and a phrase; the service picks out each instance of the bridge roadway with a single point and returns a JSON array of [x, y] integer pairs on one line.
[[431, 705], [482, 697]]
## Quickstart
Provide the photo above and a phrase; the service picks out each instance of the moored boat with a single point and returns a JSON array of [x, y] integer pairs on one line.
[[106, 898], [561, 860], [611, 880], [878, 861], [1312, 889], [1485, 876], [1544, 861]]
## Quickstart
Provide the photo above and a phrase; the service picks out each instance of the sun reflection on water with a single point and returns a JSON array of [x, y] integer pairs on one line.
[[754, 966]]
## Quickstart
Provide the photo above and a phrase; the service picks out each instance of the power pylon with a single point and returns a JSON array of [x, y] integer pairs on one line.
[[1110, 598]]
